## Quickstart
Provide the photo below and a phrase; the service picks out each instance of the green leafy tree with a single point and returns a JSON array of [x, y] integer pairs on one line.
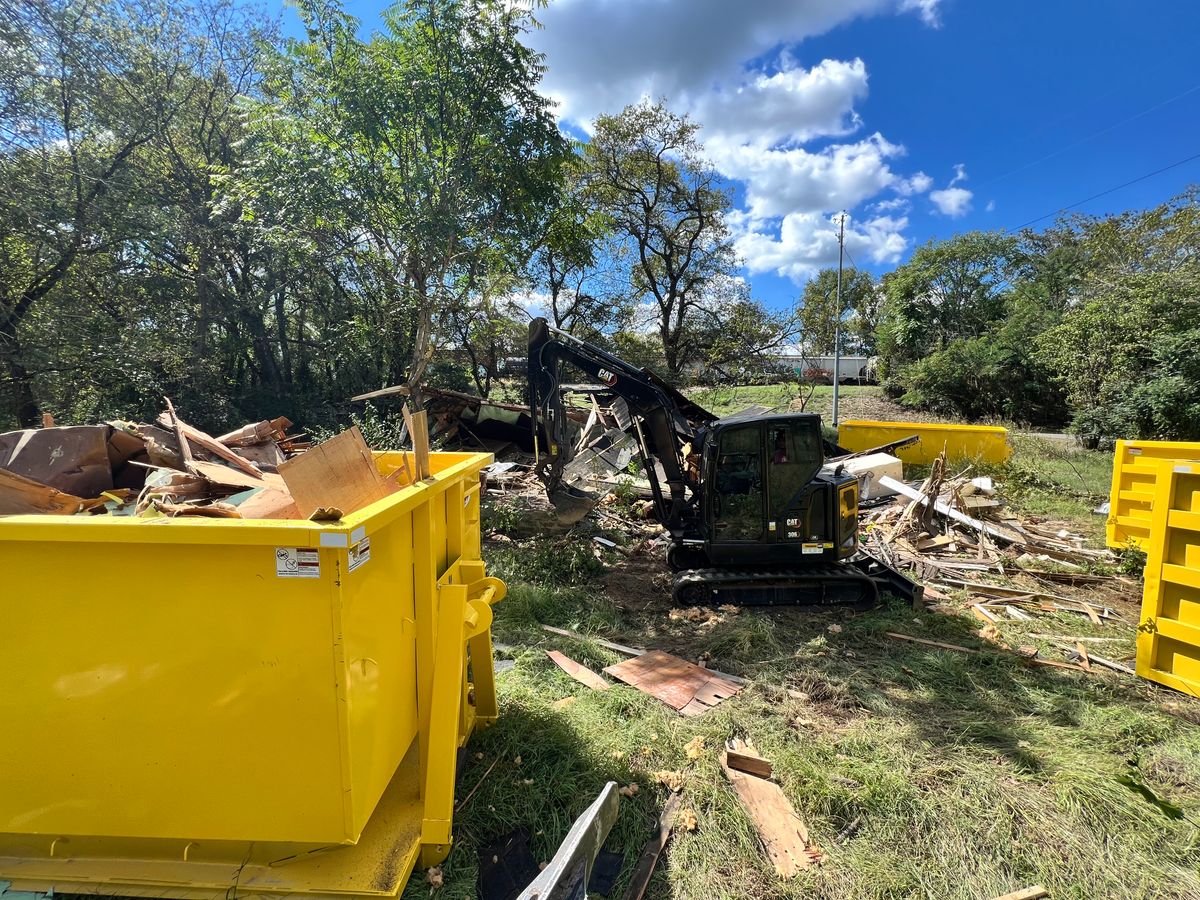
[[425, 154], [579, 264], [1121, 350], [817, 313], [948, 290], [646, 169], [86, 87]]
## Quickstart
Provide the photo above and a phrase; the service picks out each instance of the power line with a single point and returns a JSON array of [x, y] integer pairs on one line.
[[1084, 140], [1105, 193]]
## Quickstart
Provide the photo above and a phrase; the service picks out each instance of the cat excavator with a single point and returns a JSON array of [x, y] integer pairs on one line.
[[754, 514]]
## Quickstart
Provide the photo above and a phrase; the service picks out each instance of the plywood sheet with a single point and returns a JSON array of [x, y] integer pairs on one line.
[[339, 473], [678, 683]]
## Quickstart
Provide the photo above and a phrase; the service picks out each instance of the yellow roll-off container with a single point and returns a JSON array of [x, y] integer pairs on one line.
[[986, 443], [216, 708]]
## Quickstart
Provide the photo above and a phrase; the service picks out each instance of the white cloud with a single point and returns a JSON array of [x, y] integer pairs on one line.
[[928, 10], [918, 183], [793, 105], [808, 242], [951, 200], [757, 105], [991, 206], [779, 182], [604, 55]]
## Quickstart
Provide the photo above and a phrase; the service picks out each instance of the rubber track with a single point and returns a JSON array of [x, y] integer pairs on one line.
[[734, 579]]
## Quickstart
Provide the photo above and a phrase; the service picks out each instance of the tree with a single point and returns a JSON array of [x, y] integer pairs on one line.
[[817, 312], [948, 290], [85, 87], [425, 154], [1122, 350], [647, 171], [579, 265]]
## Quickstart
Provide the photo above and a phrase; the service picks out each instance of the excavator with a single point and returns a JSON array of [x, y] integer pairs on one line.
[[755, 516]]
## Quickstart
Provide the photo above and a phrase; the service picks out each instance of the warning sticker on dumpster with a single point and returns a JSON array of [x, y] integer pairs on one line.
[[360, 553], [297, 562]]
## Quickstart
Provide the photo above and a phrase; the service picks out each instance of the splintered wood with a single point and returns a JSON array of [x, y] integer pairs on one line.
[[578, 671], [782, 832], [681, 685], [337, 474]]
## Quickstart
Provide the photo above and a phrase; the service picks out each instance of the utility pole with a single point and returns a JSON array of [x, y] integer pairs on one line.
[[837, 325]]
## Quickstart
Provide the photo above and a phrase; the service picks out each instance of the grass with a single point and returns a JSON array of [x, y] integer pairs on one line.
[[725, 401], [921, 773]]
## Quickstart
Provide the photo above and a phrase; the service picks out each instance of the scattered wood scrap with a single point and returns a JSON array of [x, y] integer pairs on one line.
[[928, 643], [199, 438], [1030, 893], [24, 496], [783, 833], [682, 685], [647, 862], [578, 671]]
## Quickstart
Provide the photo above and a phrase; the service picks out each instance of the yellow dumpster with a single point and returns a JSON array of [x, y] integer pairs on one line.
[[193, 708], [1131, 497], [986, 443], [1168, 639]]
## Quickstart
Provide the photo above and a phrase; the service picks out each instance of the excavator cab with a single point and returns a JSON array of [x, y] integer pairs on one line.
[[765, 499]]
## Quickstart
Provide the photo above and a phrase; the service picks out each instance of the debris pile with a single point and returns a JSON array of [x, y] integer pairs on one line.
[[171, 468], [955, 533]]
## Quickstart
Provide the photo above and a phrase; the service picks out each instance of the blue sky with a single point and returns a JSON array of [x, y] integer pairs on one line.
[[920, 118]]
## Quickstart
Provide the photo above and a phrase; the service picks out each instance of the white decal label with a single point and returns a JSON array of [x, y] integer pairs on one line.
[[812, 548], [297, 562], [360, 553]]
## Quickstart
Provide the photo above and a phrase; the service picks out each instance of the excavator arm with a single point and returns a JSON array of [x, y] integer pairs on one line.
[[665, 421]]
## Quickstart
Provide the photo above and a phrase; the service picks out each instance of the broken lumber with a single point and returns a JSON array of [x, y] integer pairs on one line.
[[750, 763], [578, 671], [652, 851], [921, 499], [1078, 652], [782, 832], [619, 648], [1030, 893], [928, 643], [23, 496], [205, 441]]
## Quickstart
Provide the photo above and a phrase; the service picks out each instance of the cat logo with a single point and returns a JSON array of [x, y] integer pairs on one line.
[[609, 378]]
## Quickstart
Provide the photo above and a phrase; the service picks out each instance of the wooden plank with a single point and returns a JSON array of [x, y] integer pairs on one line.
[[652, 851], [174, 423], [985, 614], [682, 685], [206, 441], [420, 431], [1030, 893], [750, 763], [339, 474], [782, 832], [928, 643], [24, 496], [619, 648], [269, 503], [223, 475], [578, 671]]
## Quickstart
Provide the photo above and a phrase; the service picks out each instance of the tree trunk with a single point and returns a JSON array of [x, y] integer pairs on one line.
[[24, 405]]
